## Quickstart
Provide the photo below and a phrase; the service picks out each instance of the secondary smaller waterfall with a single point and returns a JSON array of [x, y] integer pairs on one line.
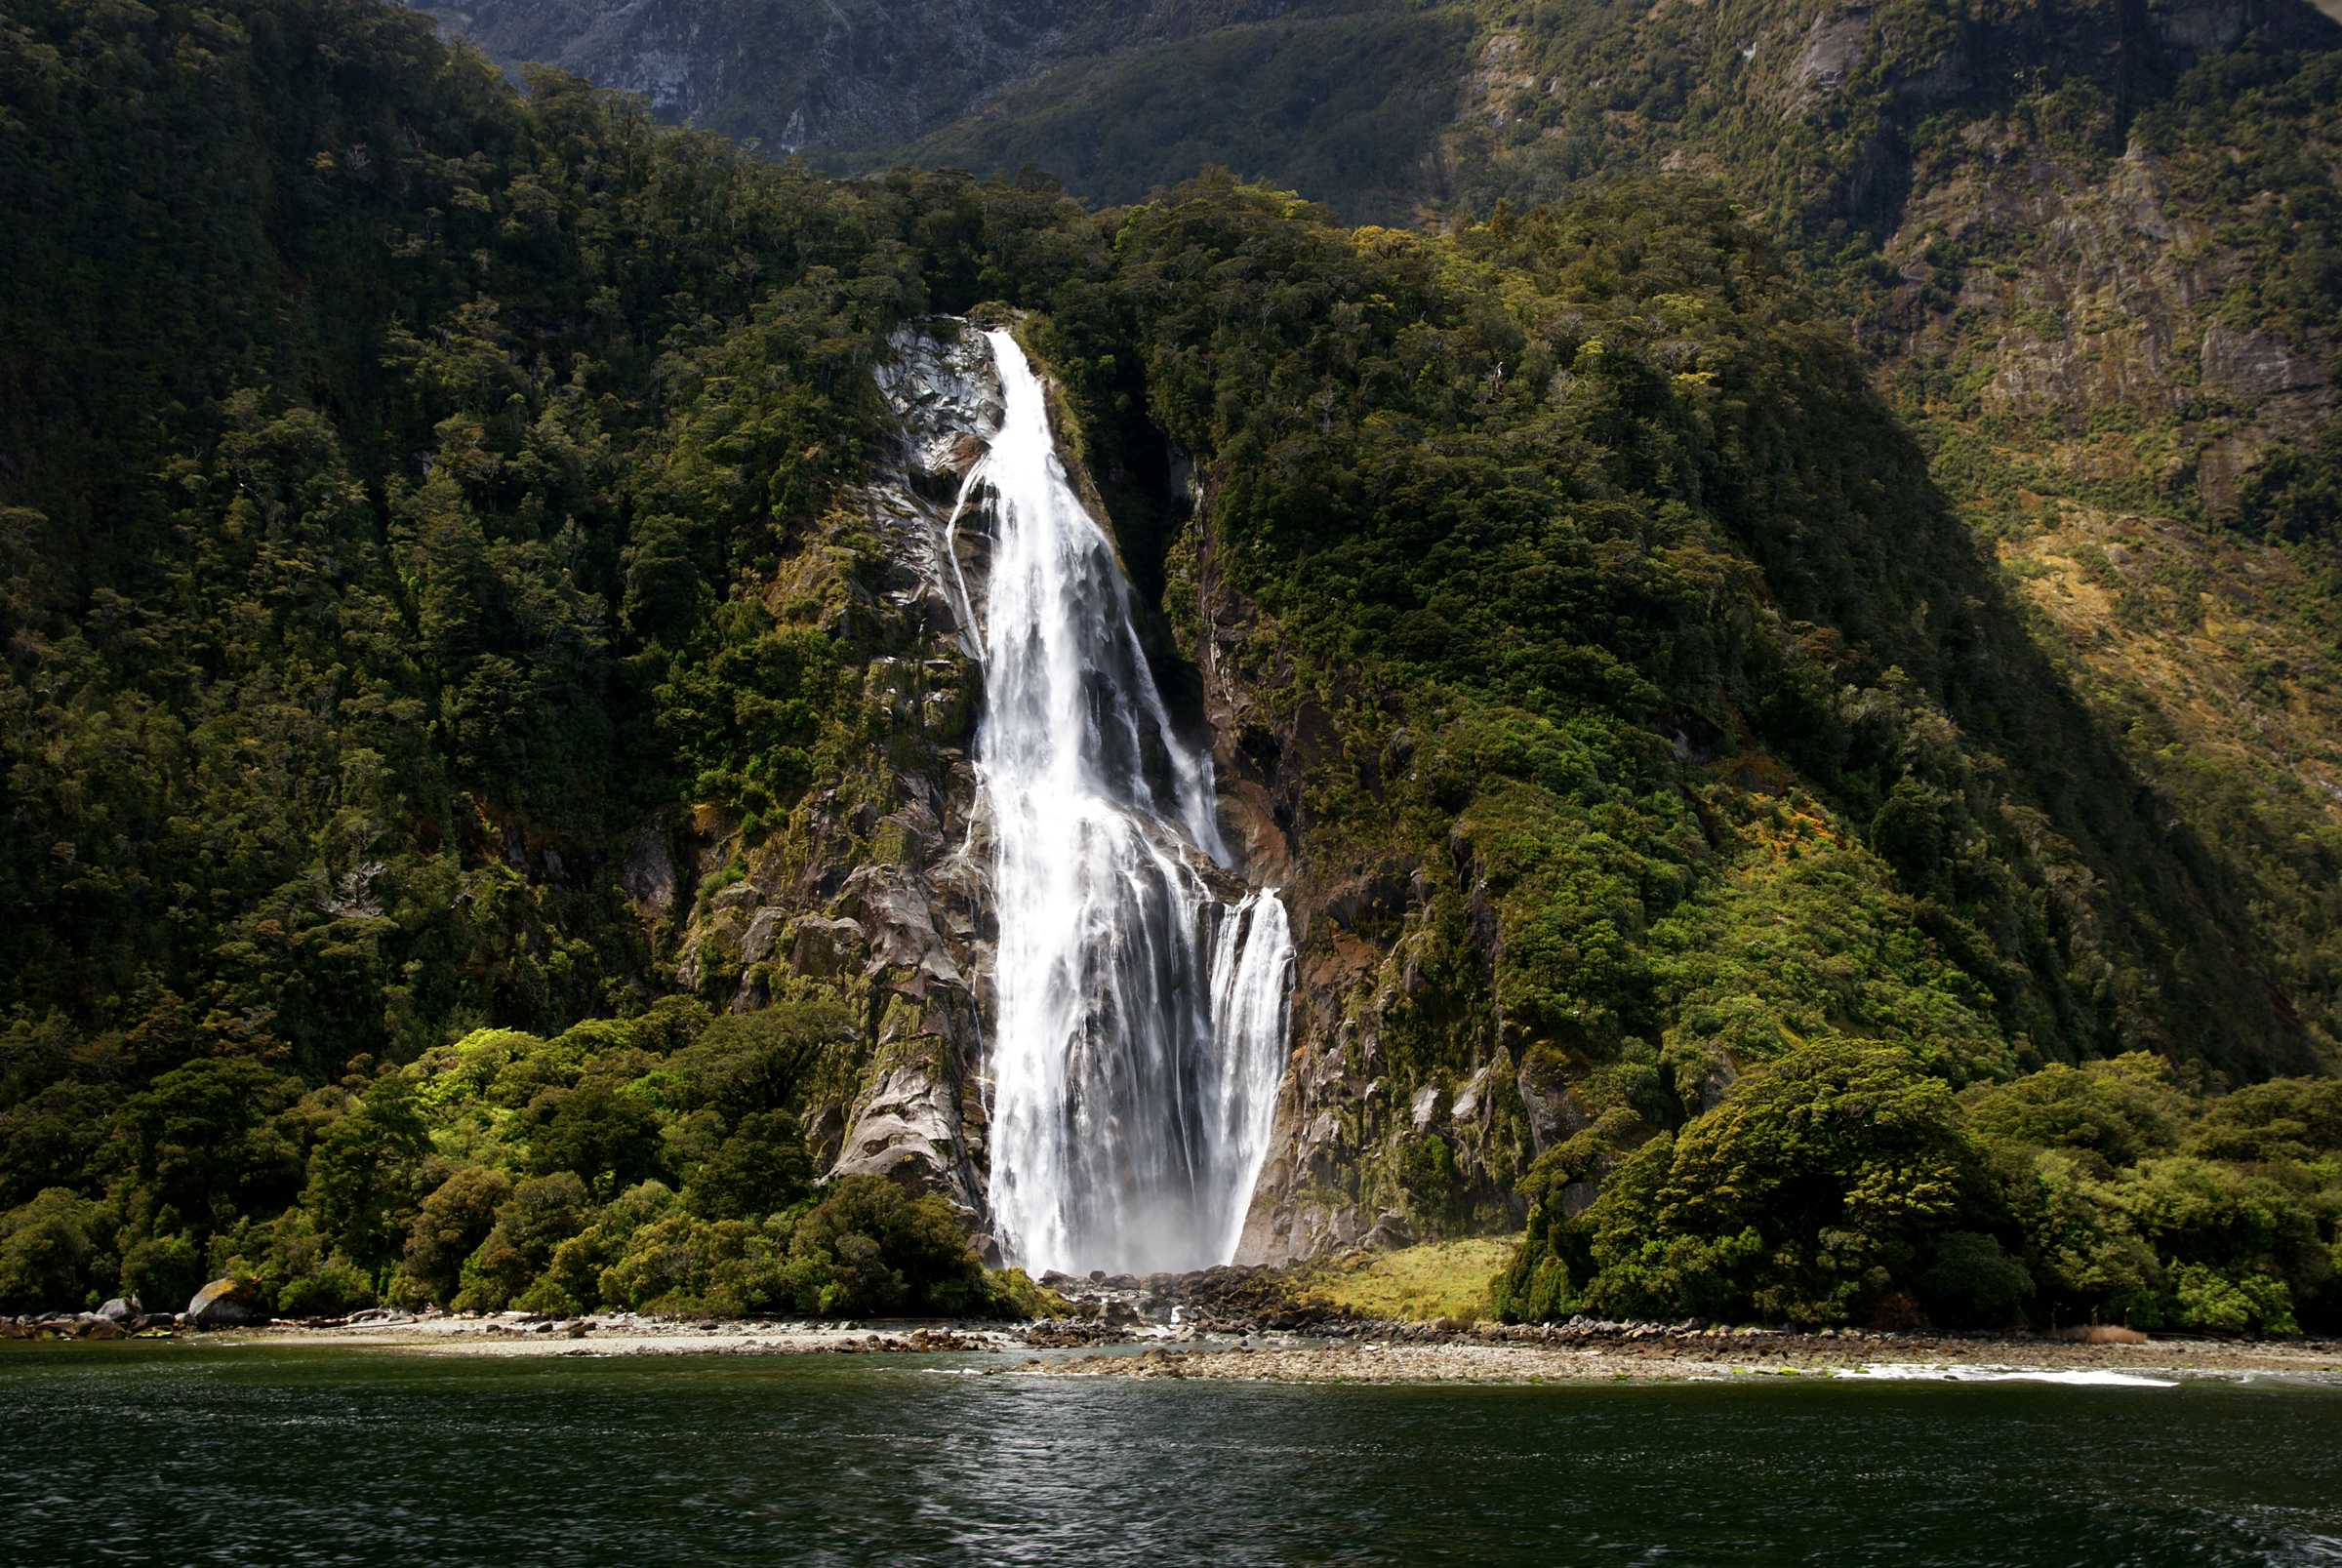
[[1140, 1019]]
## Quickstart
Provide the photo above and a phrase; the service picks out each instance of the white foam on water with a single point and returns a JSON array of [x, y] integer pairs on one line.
[[2071, 1377]]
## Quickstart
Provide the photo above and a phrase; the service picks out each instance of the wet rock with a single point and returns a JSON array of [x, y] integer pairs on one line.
[[757, 942], [909, 1129], [119, 1311], [1469, 1101]]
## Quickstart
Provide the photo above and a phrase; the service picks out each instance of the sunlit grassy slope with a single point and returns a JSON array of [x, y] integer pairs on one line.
[[1438, 1280]]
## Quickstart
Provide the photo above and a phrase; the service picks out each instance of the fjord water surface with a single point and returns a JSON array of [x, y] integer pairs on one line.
[[1139, 1016], [196, 1454]]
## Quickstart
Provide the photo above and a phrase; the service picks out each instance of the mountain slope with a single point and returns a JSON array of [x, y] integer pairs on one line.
[[483, 763]]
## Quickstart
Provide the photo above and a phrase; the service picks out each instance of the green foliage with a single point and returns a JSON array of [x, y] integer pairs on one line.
[[879, 1251], [165, 1273], [455, 1219], [46, 1252], [1428, 1173], [685, 1264], [610, 1137], [2119, 1110], [746, 1062], [1813, 1185], [208, 1138], [2286, 1119], [530, 1224], [1835, 1184], [762, 1168], [364, 1169], [1972, 1280]]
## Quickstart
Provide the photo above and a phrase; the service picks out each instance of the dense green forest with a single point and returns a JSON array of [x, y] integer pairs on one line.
[[396, 465]]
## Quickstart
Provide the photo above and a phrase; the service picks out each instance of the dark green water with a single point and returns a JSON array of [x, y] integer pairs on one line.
[[201, 1454]]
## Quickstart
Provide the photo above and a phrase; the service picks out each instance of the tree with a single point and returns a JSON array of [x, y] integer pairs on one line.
[[761, 1169], [889, 1252], [202, 1138], [1809, 1191], [530, 1224], [46, 1253], [363, 1169], [745, 1063], [609, 1139], [2119, 1110], [454, 1220]]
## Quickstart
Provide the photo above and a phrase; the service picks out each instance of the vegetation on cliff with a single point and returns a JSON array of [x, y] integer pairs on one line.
[[425, 499]]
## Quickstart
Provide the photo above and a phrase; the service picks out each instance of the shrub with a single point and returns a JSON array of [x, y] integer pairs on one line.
[[2218, 1302], [2284, 1120], [685, 1264], [363, 1170], [572, 1278], [205, 1136], [333, 1288], [1807, 1191], [610, 1140], [164, 1271], [745, 1063], [1974, 1282], [2119, 1110]]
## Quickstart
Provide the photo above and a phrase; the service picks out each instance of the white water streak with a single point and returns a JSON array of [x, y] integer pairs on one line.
[[1140, 1019]]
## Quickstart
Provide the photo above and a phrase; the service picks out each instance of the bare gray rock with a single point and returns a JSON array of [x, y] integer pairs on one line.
[[647, 874], [2245, 367]]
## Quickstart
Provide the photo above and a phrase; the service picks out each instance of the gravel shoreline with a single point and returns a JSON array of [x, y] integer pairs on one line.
[[1520, 1363], [1347, 1352]]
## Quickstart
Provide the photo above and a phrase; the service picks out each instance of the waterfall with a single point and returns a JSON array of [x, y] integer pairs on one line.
[[1139, 1018]]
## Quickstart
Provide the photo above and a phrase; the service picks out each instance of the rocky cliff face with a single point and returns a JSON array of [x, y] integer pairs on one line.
[[877, 893], [828, 77]]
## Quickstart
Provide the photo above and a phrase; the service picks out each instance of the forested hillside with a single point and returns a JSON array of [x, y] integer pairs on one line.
[[438, 582]]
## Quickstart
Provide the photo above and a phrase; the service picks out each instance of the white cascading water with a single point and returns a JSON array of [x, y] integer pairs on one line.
[[1140, 1021]]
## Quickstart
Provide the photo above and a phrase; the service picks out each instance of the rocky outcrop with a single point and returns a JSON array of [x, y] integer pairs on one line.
[[876, 892], [231, 1302]]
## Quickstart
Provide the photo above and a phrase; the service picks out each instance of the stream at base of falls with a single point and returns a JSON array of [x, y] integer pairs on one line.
[[1140, 1017], [189, 1453]]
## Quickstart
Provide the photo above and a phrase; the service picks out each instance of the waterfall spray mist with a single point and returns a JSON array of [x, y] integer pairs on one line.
[[1140, 1019]]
